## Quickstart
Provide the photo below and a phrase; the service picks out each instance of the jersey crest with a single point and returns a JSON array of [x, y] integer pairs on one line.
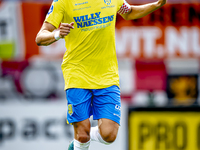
[[70, 109]]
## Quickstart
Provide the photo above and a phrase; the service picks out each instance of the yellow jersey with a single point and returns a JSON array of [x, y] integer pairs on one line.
[[90, 61]]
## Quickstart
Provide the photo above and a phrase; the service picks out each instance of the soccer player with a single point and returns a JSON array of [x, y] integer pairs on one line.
[[89, 66]]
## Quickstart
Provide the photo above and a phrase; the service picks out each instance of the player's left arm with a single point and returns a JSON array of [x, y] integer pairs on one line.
[[136, 12]]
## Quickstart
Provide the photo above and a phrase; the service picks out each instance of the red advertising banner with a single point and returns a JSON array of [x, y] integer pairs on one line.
[[171, 31]]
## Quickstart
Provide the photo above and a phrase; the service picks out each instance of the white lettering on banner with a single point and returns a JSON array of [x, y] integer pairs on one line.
[[150, 35], [130, 38], [177, 40], [195, 40], [125, 37], [143, 42], [135, 44]]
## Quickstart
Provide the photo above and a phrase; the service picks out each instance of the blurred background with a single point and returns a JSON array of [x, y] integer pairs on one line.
[[159, 67]]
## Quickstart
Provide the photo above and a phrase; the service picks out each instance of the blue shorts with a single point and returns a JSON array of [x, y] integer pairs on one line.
[[101, 103]]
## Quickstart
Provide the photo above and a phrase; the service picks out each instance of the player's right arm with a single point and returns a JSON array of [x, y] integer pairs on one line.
[[53, 20], [46, 36]]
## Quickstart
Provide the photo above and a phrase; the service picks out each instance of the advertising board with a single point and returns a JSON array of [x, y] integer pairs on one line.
[[164, 129]]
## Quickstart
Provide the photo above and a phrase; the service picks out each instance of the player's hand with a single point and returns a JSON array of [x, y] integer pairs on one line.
[[162, 2], [65, 29]]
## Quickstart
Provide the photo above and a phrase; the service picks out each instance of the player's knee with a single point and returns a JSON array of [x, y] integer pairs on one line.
[[83, 138], [108, 130], [109, 136], [82, 131]]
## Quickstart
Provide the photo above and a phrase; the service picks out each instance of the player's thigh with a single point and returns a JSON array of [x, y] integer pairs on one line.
[[79, 104], [107, 104]]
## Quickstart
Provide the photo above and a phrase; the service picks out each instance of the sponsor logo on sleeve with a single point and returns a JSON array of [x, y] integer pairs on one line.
[[50, 10]]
